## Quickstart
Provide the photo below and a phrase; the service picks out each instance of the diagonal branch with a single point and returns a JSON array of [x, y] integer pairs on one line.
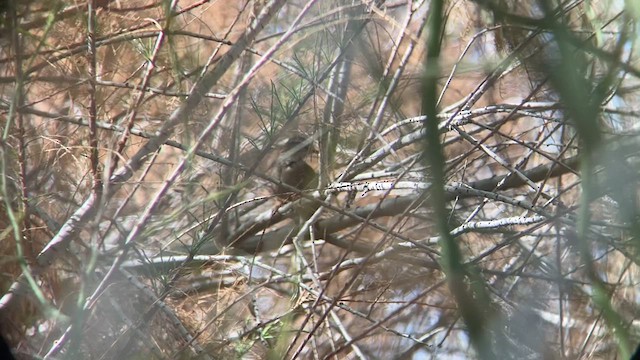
[[86, 211]]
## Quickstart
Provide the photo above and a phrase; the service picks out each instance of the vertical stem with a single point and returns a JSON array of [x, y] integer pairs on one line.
[[460, 284], [93, 131]]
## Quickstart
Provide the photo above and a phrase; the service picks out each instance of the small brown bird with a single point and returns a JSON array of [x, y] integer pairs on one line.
[[293, 170]]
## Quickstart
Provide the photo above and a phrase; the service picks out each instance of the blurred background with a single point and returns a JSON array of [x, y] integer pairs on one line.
[[476, 194]]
